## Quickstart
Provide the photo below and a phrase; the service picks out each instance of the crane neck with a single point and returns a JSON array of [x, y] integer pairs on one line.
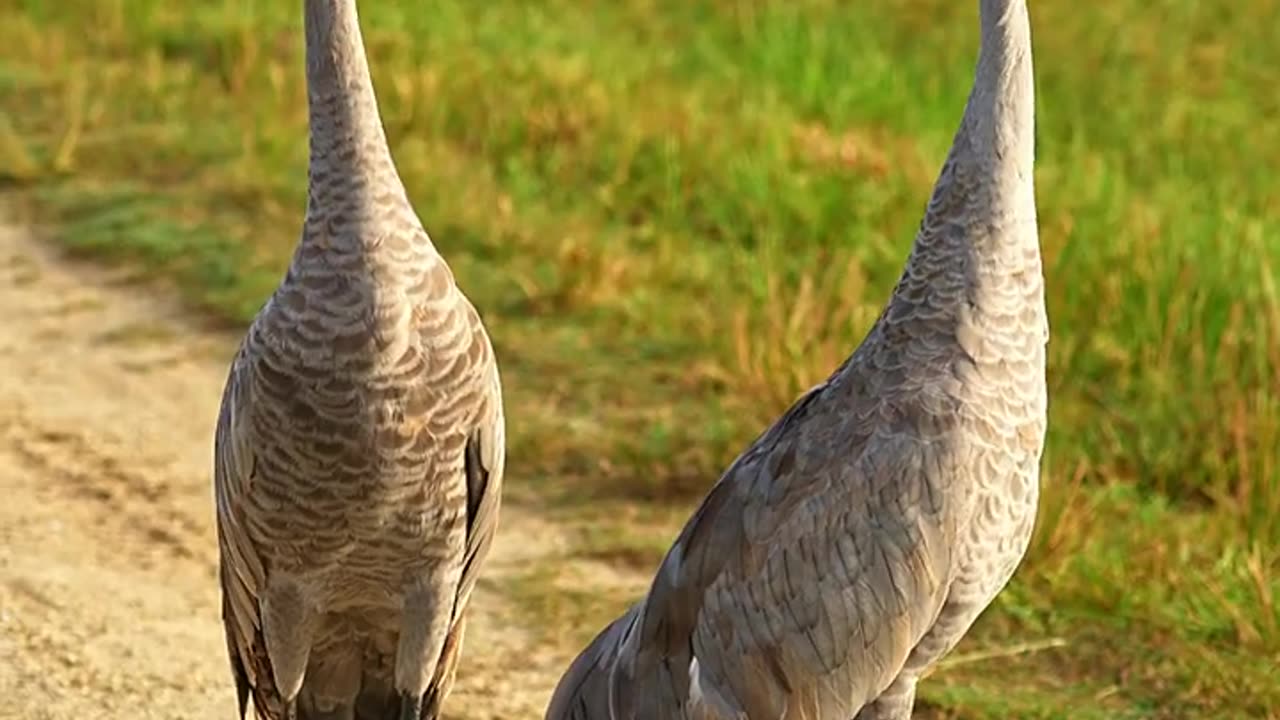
[[350, 164], [986, 184], [1000, 115]]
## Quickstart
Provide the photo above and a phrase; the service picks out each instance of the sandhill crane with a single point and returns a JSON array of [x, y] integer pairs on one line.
[[856, 541], [359, 450]]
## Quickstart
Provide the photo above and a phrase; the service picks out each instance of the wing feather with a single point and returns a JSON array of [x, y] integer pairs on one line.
[[241, 572], [484, 464], [763, 592]]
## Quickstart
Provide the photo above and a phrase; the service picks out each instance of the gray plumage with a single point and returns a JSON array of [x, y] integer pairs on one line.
[[856, 541], [359, 449]]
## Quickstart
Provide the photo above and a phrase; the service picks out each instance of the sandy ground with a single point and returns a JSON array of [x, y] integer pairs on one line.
[[108, 598]]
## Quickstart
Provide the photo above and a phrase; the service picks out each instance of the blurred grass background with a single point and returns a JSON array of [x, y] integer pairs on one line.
[[676, 216]]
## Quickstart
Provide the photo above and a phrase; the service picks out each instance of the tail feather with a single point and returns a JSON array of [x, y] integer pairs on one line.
[[446, 670], [583, 691], [377, 699], [372, 695]]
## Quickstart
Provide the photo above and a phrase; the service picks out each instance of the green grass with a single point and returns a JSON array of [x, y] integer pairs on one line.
[[676, 216]]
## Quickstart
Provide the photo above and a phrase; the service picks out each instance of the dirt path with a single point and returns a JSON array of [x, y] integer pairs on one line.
[[108, 602]]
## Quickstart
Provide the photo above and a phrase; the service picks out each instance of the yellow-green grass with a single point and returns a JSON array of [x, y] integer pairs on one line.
[[676, 216]]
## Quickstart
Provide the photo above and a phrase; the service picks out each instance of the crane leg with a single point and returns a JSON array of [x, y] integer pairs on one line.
[[410, 707], [895, 703]]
